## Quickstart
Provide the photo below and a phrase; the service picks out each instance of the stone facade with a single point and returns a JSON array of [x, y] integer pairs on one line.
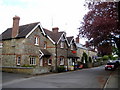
[[24, 48], [37, 50]]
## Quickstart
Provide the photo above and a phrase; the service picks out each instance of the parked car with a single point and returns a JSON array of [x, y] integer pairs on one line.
[[117, 62], [110, 66]]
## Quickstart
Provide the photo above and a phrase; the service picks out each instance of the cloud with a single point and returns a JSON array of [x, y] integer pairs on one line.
[[66, 14]]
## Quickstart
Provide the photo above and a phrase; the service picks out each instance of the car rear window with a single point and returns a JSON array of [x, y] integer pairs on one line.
[[110, 63]]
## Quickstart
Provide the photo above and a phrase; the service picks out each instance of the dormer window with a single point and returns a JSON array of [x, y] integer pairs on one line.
[[36, 40], [62, 44]]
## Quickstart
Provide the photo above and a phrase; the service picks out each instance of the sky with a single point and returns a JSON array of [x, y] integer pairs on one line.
[[64, 14]]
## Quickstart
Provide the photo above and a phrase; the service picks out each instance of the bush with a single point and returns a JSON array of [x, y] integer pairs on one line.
[[85, 65], [105, 57], [27, 65], [61, 69], [84, 57], [90, 59]]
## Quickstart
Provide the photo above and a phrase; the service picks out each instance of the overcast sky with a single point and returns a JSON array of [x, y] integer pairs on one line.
[[65, 14]]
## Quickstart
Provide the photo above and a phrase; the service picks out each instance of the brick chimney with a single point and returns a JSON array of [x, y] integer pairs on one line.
[[77, 39], [15, 28], [55, 29]]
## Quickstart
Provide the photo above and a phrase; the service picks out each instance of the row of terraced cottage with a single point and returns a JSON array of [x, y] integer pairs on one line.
[[32, 49]]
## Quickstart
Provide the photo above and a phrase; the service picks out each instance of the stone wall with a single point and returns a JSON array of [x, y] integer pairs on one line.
[[26, 70]]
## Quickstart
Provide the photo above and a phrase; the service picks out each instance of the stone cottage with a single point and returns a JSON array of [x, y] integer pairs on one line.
[[72, 53], [82, 49], [59, 47], [25, 46]]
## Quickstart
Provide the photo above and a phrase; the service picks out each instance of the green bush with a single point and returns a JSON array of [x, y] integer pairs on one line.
[[84, 57], [61, 69], [105, 57], [85, 65], [90, 59], [27, 65]]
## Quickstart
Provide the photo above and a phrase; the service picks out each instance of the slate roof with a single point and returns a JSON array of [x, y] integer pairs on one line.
[[54, 36], [71, 55], [23, 31], [46, 52], [81, 46]]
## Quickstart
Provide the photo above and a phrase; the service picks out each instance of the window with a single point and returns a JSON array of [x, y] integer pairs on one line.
[[49, 62], [45, 45], [32, 61], [18, 60], [1, 45], [71, 47], [62, 44], [36, 40], [61, 60]]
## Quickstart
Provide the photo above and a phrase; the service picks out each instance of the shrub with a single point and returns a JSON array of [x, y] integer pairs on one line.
[[90, 59], [61, 69], [27, 65], [105, 57], [84, 57], [85, 65]]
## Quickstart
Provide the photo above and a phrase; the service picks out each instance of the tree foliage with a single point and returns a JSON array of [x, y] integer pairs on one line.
[[101, 26]]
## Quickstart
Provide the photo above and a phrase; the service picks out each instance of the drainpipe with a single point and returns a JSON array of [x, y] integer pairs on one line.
[[67, 59], [56, 57]]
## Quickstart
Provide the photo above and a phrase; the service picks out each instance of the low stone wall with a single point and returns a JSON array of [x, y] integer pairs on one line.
[[90, 65], [26, 70]]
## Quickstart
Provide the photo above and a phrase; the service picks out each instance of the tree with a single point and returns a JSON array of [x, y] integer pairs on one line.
[[101, 26]]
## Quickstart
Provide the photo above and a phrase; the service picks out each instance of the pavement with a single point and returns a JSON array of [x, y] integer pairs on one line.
[[113, 81]]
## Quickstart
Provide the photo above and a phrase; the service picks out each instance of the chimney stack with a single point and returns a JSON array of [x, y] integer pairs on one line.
[[77, 39], [55, 29], [15, 28]]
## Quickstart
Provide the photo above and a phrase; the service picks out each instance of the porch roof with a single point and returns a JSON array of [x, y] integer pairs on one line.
[[46, 52]]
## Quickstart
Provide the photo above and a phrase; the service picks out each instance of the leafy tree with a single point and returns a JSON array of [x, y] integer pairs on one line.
[[101, 26]]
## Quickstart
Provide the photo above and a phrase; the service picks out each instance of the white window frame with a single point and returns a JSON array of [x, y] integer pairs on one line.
[[62, 44], [62, 60], [71, 46], [49, 63], [1, 45], [32, 61], [45, 45], [18, 60], [36, 40]]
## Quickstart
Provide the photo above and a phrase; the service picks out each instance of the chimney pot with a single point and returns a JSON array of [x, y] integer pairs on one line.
[[55, 29], [77, 39], [15, 28]]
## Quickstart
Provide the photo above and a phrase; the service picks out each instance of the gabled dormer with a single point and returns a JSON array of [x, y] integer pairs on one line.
[[56, 37], [72, 44]]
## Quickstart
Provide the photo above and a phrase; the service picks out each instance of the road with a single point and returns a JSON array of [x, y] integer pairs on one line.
[[86, 78]]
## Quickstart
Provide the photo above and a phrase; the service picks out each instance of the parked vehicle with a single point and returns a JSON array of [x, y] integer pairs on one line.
[[110, 66]]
